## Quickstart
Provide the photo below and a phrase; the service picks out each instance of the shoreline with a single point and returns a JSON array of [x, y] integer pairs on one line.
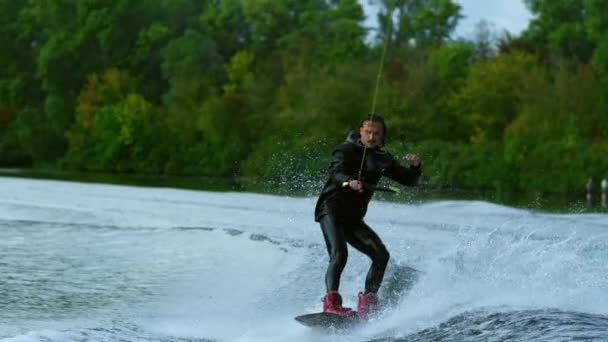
[[556, 203], [163, 181]]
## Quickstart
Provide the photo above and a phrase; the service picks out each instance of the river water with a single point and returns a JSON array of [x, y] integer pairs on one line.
[[92, 262]]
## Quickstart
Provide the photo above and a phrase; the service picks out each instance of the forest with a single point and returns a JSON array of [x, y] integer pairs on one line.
[[264, 89]]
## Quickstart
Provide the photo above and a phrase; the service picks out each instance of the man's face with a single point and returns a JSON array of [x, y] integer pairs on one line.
[[371, 134]]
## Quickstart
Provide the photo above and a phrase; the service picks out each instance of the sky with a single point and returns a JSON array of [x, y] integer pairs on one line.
[[510, 15]]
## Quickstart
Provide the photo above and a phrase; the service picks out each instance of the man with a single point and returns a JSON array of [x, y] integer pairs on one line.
[[356, 167]]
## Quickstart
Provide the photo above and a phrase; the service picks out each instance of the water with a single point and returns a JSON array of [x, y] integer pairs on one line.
[[88, 262]]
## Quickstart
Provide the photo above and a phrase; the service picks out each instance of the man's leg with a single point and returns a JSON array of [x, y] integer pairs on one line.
[[337, 250], [338, 253], [365, 240]]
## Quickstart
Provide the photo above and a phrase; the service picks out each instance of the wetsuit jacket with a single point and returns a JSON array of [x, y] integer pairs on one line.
[[348, 205]]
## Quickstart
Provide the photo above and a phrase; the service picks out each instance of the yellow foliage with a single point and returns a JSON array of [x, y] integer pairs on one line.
[[98, 91], [239, 71], [132, 113]]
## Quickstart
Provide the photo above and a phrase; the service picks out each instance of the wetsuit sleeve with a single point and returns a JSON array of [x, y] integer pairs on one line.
[[338, 168], [404, 175]]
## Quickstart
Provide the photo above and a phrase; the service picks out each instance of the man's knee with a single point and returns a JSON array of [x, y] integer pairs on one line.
[[338, 257], [382, 256]]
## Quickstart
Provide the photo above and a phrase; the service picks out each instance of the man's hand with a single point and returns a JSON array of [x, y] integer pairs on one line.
[[412, 160], [354, 184]]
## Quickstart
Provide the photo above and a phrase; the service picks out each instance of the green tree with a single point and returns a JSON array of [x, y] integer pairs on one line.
[[559, 27], [421, 23], [20, 95], [225, 23], [491, 97], [450, 65], [194, 70], [328, 37], [597, 27], [116, 129]]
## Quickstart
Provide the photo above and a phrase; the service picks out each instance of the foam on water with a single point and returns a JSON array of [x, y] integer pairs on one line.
[[104, 262]]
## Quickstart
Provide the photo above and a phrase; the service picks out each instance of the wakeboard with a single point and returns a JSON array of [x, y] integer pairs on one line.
[[324, 320]]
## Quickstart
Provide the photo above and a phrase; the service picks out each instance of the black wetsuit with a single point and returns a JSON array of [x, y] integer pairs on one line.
[[340, 210]]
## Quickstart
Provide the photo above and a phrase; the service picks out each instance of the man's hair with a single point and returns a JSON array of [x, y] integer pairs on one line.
[[374, 117]]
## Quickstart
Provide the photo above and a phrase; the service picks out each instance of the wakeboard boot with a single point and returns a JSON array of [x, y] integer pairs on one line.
[[368, 304], [332, 303]]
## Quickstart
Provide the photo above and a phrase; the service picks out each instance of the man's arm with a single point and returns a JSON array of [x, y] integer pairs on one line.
[[338, 169], [339, 174], [405, 175]]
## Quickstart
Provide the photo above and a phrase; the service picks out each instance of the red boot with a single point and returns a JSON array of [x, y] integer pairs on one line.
[[332, 303], [368, 304]]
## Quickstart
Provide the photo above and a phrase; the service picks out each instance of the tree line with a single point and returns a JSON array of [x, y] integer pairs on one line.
[[266, 88]]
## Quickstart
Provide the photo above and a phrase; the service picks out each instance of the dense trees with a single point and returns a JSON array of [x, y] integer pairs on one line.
[[264, 88]]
